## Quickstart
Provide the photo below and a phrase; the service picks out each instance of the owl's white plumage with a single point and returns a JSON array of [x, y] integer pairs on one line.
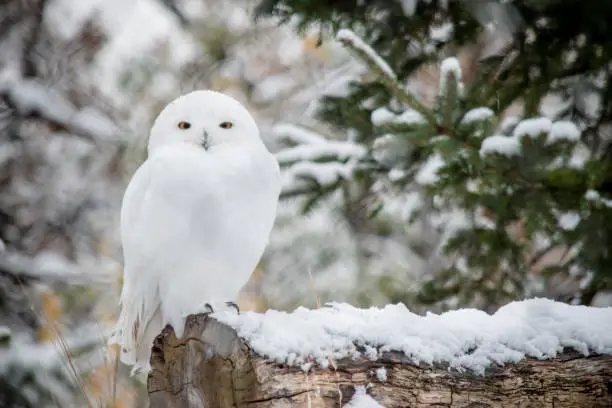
[[195, 218]]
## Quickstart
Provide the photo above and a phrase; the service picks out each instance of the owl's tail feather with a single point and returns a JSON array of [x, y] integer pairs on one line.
[[143, 348], [135, 331]]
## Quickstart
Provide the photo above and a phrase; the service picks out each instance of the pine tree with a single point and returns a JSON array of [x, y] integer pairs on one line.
[[510, 159]]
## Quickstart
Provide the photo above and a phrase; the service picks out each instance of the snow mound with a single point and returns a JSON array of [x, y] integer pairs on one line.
[[464, 339]]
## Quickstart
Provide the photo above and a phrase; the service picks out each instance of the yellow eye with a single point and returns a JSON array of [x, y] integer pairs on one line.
[[226, 125], [184, 125]]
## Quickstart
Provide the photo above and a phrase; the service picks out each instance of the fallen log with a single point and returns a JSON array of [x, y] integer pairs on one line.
[[217, 364]]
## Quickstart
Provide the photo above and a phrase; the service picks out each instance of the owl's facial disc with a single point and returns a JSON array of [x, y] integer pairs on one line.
[[205, 119]]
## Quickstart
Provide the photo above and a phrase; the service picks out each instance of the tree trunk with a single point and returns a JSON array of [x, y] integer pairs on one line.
[[212, 367]]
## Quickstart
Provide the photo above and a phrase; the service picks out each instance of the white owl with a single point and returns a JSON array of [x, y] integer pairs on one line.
[[195, 219]]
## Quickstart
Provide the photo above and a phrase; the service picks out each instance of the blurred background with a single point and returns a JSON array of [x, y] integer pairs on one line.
[[442, 153]]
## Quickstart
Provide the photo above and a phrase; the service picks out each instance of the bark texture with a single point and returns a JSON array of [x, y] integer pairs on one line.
[[212, 367]]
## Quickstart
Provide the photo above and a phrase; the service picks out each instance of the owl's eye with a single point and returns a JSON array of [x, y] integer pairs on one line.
[[184, 125], [226, 125]]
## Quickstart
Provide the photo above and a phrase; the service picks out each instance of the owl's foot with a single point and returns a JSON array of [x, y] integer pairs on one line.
[[208, 309], [233, 305], [204, 308]]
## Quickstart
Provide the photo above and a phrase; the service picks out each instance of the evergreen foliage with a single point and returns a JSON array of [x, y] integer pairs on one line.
[[506, 192]]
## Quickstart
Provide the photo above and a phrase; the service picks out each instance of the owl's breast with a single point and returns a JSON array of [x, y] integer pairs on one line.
[[223, 226]]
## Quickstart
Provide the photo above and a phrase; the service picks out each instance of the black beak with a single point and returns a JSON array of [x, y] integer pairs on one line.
[[205, 143]]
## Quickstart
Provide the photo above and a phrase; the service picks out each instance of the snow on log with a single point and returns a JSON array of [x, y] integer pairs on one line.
[[533, 353]]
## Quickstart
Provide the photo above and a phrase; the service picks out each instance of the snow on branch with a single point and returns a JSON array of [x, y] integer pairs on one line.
[[553, 132], [499, 144], [34, 356], [342, 356], [450, 67], [477, 115], [409, 7], [386, 74], [564, 130], [593, 196], [338, 150], [315, 147], [348, 37], [465, 339], [428, 172], [31, 98], [532, 127], [46, 266], [298, 176], [297, 134], [315, 158], [383, 116]]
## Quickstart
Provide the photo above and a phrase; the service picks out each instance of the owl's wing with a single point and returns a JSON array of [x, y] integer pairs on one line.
[[139, 302]]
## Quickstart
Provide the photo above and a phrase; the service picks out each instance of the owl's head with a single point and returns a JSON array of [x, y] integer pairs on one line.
[[205, 119]]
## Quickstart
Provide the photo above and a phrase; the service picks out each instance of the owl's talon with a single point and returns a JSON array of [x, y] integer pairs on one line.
[[209, 308], [233, 305]]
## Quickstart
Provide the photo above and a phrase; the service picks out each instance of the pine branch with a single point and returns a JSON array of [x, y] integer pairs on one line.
[[377, 64]]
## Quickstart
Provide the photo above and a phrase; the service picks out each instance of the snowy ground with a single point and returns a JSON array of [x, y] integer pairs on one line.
[[464, 339]]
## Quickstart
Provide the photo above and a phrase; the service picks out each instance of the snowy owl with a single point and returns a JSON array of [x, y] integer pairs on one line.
[[195, 218]]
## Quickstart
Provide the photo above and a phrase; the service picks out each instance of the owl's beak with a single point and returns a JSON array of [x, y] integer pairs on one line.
[[205, 141]]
